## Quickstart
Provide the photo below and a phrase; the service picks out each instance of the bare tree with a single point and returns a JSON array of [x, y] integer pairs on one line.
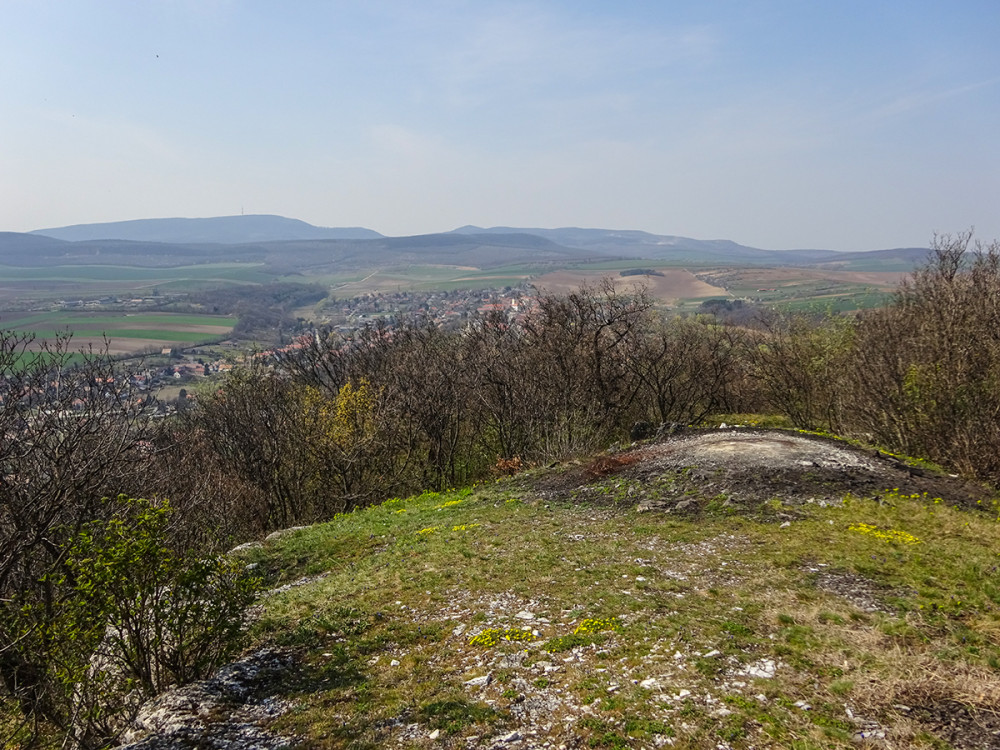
[[686, 368], [925, 374], [71, 434], [798, 362], [580, 344]]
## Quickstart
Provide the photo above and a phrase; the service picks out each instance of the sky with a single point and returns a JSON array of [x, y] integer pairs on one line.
[[780, 124]]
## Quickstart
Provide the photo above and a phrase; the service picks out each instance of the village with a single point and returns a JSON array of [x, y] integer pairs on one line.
[[173, 377]]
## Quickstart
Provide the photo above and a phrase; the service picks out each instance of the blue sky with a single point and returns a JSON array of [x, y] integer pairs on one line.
[[775, 123]]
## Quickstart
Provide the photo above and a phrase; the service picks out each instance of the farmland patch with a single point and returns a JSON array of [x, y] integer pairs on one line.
[[126, 333], [674, 284]]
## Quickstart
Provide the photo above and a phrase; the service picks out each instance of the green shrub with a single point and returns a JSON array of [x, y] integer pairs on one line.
[[120, 619]]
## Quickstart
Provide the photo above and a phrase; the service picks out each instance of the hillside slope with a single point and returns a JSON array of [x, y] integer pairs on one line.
[[216, 229], [479, 251], [718, 589]]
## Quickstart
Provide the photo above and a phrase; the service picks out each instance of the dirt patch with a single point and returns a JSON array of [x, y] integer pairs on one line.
[[963, 727], [864, 594], [120, 345]]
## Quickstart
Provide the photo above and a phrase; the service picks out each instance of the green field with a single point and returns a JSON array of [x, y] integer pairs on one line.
[[110, 320], [839, 303], [125, 332], [73, 320]]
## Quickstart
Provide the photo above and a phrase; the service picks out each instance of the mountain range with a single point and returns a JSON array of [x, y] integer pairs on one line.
[[294, 245]]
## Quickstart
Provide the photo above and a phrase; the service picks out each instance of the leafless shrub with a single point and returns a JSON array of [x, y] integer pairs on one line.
[[686, 369], [924, 377]]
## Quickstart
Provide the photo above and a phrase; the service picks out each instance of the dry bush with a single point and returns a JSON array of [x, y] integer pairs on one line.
[[924, 375], [610, 464], [797, 362], [214, 508], [508, 466], [686, 369]]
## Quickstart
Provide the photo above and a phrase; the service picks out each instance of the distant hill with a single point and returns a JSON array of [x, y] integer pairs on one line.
[[30, 250], [227, 230], [291, 256], [288, 246], [12, 243], [634, 243], [672, 248]]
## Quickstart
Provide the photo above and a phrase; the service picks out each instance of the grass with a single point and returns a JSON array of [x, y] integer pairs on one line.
[[642, 627]]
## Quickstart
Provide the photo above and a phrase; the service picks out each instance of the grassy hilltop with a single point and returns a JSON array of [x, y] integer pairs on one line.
[[634, 601]]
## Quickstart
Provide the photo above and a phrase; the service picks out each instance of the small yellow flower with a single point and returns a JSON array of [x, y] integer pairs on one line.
[[598, 625], [890, 535], [492, 636]]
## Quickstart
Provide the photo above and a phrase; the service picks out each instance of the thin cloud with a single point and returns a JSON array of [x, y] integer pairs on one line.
[[915, 101]]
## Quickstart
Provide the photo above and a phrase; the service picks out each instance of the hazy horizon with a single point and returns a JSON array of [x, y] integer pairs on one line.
[[772, 123]]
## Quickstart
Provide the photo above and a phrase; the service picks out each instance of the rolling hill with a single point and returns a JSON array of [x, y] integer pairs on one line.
[[290, 245], [218, 229]]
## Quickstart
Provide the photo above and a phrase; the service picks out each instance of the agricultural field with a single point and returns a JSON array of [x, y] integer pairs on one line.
[[83, 282], [668, 287], [126, 333], [424, 278], [818, 289]]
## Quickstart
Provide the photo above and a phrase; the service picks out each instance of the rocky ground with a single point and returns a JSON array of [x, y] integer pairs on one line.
[[751, 466]]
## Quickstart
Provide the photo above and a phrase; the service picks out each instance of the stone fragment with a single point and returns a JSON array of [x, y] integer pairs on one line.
[[276, 535], [763, 669], [868, 734]]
